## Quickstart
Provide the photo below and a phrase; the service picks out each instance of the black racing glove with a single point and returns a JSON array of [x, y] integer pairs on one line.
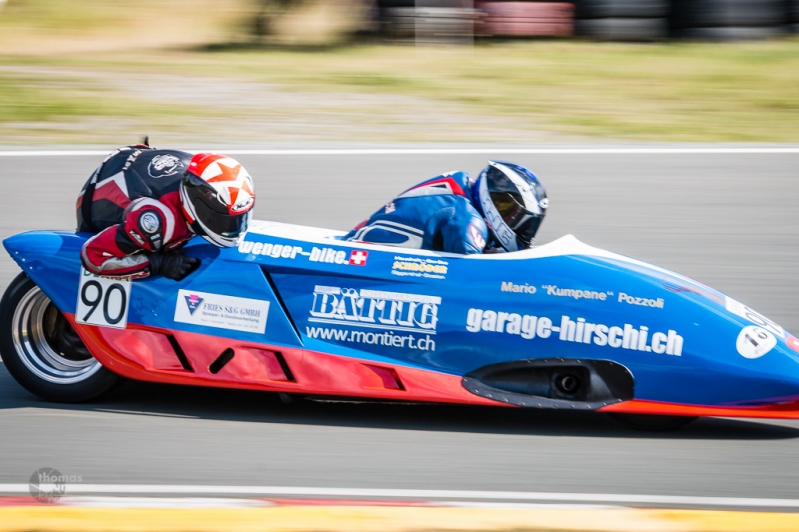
[[172, 264], [491, 251]]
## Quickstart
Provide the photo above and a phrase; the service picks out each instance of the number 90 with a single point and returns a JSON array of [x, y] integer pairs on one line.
[[104, 298]]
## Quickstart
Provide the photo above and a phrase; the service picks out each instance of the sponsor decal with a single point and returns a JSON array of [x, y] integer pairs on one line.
[[554, 290], [358, 257], [164, 165], [390, 207], [193, 301], [102, 301], [419, 267], [328, 255], [641, 301], [149, 222], [377, 309], [243, 205], [739, 309], [388, 338], [135, 236], [793, 343], [525, 288], [223, 312], [275, 251], [477, 237], [577, 331], [754, 342], [131, 159]]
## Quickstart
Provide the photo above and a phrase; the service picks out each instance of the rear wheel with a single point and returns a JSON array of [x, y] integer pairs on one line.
[[42, 351], [652, 423]]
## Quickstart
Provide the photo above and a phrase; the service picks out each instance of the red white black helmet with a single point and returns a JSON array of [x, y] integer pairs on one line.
[[217, 196]]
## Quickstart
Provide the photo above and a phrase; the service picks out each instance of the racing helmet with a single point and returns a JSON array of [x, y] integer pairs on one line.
[[217, 195], [513, 202]]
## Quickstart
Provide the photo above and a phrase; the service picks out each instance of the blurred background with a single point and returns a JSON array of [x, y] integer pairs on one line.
[[86, 76], [88, 71]]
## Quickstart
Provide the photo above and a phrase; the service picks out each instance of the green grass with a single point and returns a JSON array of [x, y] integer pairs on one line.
[[746, 92]]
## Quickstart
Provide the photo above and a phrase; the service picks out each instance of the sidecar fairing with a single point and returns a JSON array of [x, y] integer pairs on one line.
[[564, 325]]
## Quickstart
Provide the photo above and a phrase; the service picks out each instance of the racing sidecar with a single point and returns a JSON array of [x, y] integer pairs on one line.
[[295, 309]]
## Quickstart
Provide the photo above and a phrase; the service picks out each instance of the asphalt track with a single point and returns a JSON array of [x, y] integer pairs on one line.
[[730, 220]]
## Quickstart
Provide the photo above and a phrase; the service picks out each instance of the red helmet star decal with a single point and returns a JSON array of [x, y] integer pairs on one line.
[[230, 179]]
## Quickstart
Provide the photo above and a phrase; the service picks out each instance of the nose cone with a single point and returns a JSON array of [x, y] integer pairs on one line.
[[45, 251], [774, 366], [792, 343], [788, 350], [33, 244]]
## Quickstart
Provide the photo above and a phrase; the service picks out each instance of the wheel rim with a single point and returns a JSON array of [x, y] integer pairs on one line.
[[47, 344]]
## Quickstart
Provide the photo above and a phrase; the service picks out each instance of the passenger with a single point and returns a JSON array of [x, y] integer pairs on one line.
[[144, 204], [499, 211]]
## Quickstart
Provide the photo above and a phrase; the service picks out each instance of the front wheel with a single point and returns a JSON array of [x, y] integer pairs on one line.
[[653, 423], [42, 351]]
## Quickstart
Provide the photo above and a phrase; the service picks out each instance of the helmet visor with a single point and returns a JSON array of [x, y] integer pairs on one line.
[[212, 215], [522, 221], [225, 225]]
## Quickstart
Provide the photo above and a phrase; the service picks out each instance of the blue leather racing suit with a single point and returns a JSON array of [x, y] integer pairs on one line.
[[437, 214]]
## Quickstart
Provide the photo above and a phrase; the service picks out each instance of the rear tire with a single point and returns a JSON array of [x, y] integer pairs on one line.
[[42, 351], [652, 423]]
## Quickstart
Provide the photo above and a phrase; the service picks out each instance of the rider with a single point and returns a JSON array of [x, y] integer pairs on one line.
[[499, 211], [144, 204]]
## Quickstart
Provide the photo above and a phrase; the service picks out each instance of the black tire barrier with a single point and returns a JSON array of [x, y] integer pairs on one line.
[[387, 4], [793, 13], [728, 13], [623, 29], [648, 9], [732, 34]]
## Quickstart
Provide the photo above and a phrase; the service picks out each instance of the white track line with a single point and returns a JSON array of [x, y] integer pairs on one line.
[[265, 491], [451, 151]]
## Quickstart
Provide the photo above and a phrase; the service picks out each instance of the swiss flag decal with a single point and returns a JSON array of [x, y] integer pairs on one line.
[[358, 257]]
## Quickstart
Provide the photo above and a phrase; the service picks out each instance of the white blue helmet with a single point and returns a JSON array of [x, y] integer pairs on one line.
[[513, 202]]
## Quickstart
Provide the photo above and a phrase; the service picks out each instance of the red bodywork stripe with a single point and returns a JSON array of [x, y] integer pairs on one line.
[[143, 353], [777, 411]]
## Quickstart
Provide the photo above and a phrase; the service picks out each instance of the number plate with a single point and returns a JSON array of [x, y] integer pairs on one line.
[[739, 309], [102, 301]]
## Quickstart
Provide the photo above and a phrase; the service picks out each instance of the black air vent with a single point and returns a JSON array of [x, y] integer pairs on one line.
[[217, 365], [179, 352], [553, 383]]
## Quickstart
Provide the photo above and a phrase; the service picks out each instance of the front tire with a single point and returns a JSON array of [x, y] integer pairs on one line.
[[42, 351]]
